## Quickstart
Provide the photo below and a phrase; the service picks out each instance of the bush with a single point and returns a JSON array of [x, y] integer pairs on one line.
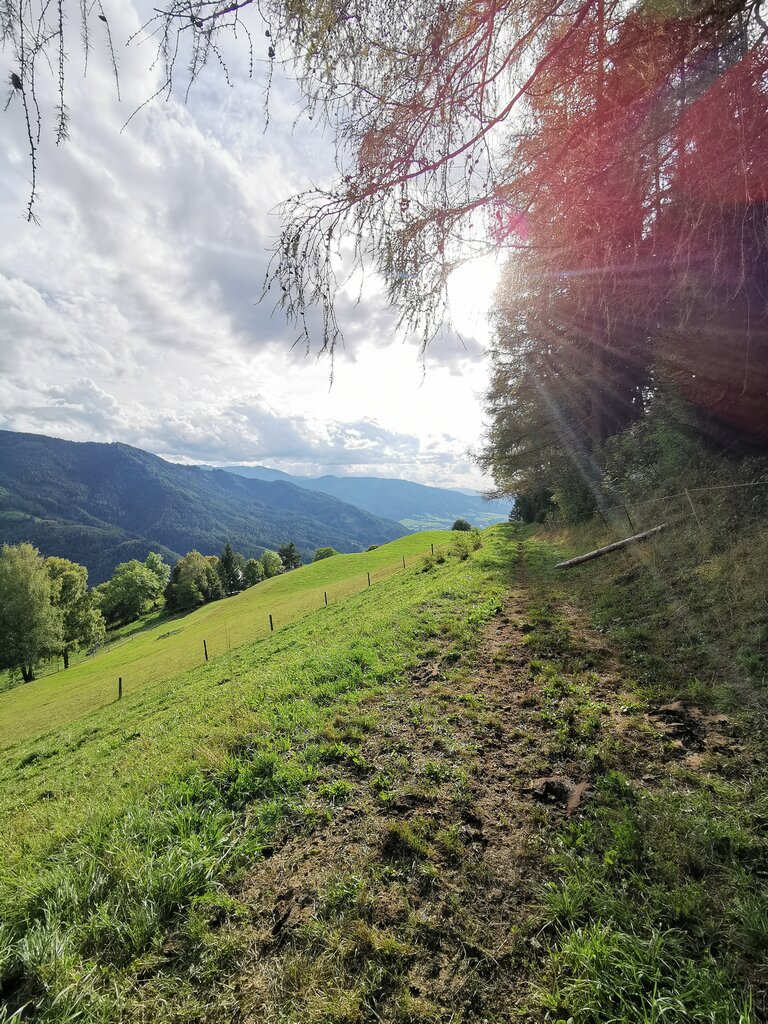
[[322, 553], [463, 525]]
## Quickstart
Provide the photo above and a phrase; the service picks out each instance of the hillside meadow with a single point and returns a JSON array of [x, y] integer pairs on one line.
[[364, 816], [78, 765], [174, 645]]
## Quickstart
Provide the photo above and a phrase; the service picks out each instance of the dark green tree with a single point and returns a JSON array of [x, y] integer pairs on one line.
[[463, 525], [195, 580], [322, 553], [230, 568], [289, 555], [253, 572]]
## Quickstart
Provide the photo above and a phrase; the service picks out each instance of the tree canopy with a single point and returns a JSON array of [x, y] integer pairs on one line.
[[322, 553], [289, 555], [272, 564], [459, 124], [195, 580], [82, 623], [30, 626], [135, 588]]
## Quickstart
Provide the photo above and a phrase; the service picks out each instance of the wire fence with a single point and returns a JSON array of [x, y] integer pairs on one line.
[[698, 504], [286, 609]]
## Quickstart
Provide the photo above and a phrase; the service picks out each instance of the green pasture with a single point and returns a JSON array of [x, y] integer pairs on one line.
[[174, 645], [116, 820]]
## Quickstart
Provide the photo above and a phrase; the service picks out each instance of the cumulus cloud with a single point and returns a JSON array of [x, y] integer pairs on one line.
[[131, 313]]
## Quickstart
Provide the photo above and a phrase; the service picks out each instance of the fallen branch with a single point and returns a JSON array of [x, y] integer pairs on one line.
[[598, 552]]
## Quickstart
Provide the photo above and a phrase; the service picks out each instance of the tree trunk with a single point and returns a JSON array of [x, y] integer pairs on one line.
[[27, 673], [65, 656], [599, 552]]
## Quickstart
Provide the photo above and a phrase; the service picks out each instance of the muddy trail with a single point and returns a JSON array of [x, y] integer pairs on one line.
[[413, 894]]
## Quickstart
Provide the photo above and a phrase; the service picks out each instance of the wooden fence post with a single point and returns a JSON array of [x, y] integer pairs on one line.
[[325, 592], [119, 687], [369, 579], [403, 561], [205, 650], [271, 624]]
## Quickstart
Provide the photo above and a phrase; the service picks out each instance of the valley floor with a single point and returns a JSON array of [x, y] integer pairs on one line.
[[512, 828]]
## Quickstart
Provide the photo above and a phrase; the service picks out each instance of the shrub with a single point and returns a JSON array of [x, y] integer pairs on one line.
[[463, 525], [322, 553]]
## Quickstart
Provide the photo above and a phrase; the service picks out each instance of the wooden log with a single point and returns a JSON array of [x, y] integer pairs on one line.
[[599, 552]]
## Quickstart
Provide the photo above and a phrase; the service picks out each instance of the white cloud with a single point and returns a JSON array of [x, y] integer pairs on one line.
[[131, 313]]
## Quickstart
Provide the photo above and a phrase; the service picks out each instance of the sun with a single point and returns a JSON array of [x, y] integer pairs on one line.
[[470, 295]]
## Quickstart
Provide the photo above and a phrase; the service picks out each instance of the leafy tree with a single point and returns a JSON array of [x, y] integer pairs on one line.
[[82, 621], [154, 562], [532, 505], [131, 592], [462, 525], [272, 563], [253, 572], [230, 568], [30, 626], [289, 555], [195, 580], [322, 553]]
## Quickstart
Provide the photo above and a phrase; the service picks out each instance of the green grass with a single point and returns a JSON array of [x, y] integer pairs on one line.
[[657, 905], [123, 824], [155, 655]]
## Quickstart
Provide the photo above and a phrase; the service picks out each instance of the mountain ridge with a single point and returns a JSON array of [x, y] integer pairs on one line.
[[101, 503], [418, 506]]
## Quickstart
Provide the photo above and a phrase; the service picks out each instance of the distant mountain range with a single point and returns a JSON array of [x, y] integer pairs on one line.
[[100, 504], [416, 506]]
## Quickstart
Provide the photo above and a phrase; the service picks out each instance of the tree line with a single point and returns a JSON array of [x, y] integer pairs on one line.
[[48, 611]]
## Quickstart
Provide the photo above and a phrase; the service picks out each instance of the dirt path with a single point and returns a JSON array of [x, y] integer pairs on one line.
[[404, 891]]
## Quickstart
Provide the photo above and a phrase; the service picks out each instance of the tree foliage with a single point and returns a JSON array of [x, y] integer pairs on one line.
[[253, 572], [195, 580], [322, 553], [438, 111], [272, 564], [646, 249], [82, 623], [463, 525], [230, 568], [289, 556], [31, 627], [134, 589]]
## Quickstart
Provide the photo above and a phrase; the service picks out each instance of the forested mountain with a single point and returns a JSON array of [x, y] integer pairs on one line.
[[100, 504], [414, 505]]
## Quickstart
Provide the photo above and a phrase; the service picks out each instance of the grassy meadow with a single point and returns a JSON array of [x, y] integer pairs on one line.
[[117, 817], [155, 655], [343, 821]]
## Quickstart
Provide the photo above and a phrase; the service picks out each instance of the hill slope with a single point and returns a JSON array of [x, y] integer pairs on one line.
[[414, 505], [103, 503]]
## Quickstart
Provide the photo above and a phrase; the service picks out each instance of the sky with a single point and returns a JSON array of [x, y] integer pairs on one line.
[[130, 313]]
